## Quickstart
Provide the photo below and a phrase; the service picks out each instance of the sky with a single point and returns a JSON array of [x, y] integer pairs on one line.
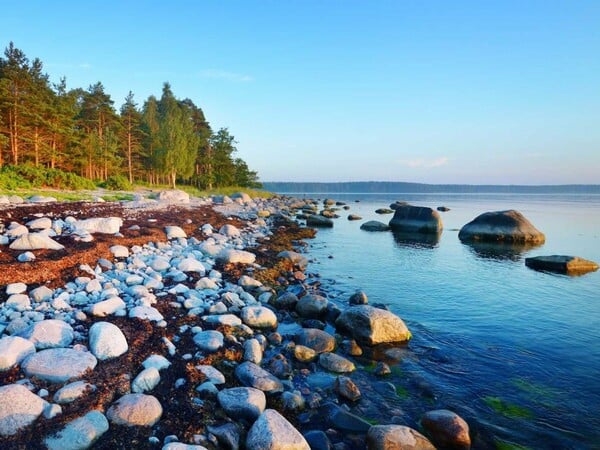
[[476, 92]]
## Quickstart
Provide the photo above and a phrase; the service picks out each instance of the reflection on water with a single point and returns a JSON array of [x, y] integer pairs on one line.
[[416, 240], [499, 251]]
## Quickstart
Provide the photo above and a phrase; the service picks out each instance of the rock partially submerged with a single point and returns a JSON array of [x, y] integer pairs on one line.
[[416, 219], [508, 226], [319, 221], [447, 429], [388, 437], [570, 265], [372, 325], [374, 225]]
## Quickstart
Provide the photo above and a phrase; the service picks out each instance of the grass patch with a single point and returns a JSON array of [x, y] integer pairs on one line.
[[117, 197], [69, 196], [229, 190], [506, 409]]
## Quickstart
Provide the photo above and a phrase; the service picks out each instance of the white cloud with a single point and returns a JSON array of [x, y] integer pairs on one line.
[[425, 163], [224, 75]]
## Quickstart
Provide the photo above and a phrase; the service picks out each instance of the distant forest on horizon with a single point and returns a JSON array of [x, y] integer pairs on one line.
[[393, 187]]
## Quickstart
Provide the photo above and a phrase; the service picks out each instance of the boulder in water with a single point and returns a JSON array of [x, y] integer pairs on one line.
[[319, 221], [373, 325], [446, 429], [572, 265], [501, 226], [416, 219], [374, 225]]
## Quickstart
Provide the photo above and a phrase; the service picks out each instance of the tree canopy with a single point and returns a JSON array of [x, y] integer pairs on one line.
[[167, 140]]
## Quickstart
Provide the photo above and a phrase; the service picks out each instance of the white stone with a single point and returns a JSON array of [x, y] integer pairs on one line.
[[42, 223], [72, 392], [16, 288], [93, 286], [16, 230], [41, 294], [26, 257], [58, 365], [272, 431], [13, 350], [107, 340], [174, 232], [106, 225], [79, 434], [41, 199], [246, 281], [210, 341], [229, 230], [18, 408], [259, 317], [213, 375], [18, 302], [146, 380], [159, 362], [230, 255], [191, 265], [146, 313], [160, 264], [119, 251], [173, 196], [35, 241], [135, 410], [49, 333], [206, 283], [107, 307]]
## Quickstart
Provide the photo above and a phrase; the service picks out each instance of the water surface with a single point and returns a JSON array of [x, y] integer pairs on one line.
[[515, 351]]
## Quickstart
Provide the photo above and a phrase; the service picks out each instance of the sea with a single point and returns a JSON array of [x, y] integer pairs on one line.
[[514, 351]]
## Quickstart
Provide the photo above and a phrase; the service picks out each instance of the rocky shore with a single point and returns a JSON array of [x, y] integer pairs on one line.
[[189, 323]]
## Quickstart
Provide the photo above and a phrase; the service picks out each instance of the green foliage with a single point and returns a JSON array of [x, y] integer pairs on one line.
[[117, 183], [506, 409], [117, 197], [79, 131], [26, 176]]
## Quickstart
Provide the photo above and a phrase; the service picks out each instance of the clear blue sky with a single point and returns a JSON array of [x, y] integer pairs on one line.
[[330, 90]]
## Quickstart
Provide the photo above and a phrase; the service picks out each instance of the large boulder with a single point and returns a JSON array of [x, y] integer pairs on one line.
[[243, 402], [272, 431], [49, 333], [13, 350], [18, 408], [501, 226], [173, 196], [234, 256], [318, 340], [373, 325], [416, 219], [251, 375], [572, 265], [135, 410], [396, 437], [107, 340], [259, 317], [35, 241], [315, 220], [57, 365], [106, 225], [447, 429]]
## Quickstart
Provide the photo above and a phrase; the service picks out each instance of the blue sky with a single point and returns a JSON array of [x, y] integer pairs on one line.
[[428, 91]]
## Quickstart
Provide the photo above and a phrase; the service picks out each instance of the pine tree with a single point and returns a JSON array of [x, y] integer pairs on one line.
[[131, 120]]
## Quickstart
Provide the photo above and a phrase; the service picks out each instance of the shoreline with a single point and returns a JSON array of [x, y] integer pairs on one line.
[[186, 301]]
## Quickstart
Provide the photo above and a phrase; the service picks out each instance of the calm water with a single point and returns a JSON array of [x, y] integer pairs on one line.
[[516, 352]]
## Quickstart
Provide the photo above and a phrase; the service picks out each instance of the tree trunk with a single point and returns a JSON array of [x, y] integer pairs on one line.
[[36, 146]]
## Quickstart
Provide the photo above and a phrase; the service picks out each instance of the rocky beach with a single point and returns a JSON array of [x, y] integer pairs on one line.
[[188, 323]]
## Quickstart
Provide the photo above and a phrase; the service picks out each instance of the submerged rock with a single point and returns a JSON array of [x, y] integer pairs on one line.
[[319, 221], [373, 325], [374, 225], [572, 265], [501, 226], [416, 219]]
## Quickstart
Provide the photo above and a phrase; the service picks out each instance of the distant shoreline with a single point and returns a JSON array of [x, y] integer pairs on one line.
[[381, 187]]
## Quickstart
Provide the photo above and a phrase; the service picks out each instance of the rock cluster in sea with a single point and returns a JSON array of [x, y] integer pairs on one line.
[[249, 350]]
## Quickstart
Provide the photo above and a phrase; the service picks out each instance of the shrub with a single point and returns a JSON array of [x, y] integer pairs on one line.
[[117, 183], [26, 176]]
